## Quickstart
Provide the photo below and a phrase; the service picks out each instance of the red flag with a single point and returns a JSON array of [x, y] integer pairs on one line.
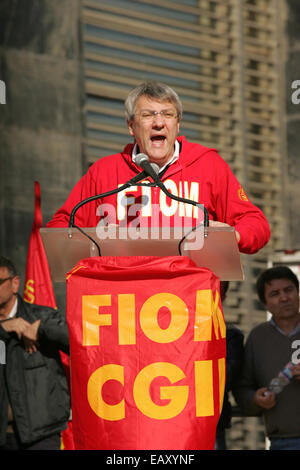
[[147, 340], [38, 287]]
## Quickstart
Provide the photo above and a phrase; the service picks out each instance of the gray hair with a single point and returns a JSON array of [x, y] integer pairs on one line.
[[155, 90]]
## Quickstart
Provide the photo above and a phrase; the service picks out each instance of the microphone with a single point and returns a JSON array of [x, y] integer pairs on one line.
[[151, 169], [142, 160]]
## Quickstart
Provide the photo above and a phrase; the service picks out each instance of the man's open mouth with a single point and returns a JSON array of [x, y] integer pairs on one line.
[[158, 138]]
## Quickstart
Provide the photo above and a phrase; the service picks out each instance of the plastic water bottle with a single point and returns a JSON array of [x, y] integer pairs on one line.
[[282, 380]]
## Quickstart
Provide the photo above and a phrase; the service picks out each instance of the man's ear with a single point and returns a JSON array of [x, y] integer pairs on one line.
[[130, 127], [15, 284]]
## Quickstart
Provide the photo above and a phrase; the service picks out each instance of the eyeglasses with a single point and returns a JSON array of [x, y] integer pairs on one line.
[[2, 281], [148, 116]]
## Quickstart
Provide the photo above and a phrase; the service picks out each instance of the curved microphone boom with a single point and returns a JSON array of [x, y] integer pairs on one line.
[[132, 182]]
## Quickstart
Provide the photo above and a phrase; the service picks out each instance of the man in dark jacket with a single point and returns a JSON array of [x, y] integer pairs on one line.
[[34, 394]]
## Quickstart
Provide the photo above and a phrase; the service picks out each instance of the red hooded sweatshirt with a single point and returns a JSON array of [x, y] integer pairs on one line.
[[199, 174]]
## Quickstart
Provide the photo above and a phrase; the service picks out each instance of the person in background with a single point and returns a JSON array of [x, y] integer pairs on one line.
[[270, 346], [34, 394]]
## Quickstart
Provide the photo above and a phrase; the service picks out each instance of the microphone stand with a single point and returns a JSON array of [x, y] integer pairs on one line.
[[134, 181], [129, 183], [182, 199]]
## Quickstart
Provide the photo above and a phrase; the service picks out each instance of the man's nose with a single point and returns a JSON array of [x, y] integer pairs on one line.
[[283, 296], [158, 120]]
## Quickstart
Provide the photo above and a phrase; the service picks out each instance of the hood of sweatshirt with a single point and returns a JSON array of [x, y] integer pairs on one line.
[[189, 153]]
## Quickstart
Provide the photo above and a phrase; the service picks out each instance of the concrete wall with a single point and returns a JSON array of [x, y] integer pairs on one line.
[[41, 123]]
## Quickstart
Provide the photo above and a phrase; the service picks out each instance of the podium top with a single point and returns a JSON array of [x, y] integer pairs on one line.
[[217, 250]]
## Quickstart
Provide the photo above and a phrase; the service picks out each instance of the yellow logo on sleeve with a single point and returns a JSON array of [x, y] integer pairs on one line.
[[242, 195]]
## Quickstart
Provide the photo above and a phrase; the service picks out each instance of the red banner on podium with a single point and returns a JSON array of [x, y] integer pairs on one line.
[[147, 338]]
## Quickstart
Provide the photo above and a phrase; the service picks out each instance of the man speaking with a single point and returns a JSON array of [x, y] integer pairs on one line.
[[153, 115], [147, 334]]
